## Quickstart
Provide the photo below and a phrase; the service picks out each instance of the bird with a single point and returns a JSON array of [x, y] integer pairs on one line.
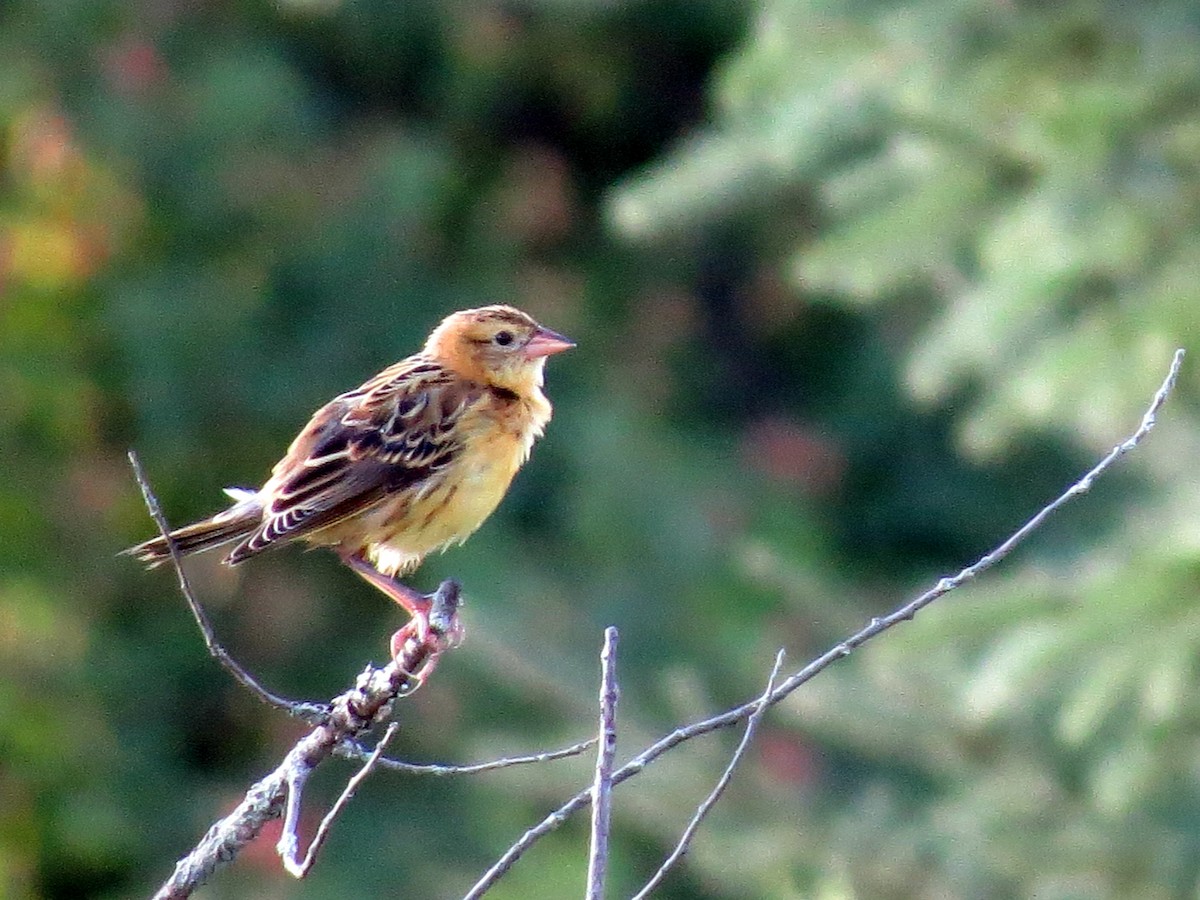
[[410, 462]]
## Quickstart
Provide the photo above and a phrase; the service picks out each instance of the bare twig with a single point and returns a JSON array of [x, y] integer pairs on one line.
[[289, 841], [350, 715], [355, 751], [602, 785], [875, 627], [309, 712], [685, 840]]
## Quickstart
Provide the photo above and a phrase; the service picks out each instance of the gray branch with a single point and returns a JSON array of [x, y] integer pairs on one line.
[[350, 716]]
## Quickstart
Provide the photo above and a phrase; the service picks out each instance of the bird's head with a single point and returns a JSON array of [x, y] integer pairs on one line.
[[497, 345]]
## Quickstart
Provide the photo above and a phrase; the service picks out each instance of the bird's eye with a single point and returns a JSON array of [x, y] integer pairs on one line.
[[503, 338]]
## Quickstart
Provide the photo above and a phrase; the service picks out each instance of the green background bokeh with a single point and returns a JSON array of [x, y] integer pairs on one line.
[[857, 287]]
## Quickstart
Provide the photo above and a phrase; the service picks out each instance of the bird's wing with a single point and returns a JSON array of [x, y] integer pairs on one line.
[[391, 435]]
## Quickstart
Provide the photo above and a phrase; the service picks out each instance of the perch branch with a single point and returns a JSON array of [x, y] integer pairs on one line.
[[874, 628], [602, 786], [349, 717]]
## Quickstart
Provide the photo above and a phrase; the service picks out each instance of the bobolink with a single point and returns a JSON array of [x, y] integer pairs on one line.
[[412, 461]]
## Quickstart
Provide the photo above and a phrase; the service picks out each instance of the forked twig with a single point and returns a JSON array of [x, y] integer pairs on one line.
[[875, 627], [702, 811], [289, 841]]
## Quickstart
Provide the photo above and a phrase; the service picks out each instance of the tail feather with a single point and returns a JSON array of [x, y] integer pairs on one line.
[[241, 519]]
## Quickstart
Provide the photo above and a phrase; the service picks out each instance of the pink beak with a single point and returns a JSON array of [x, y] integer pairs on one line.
[[546, 343]]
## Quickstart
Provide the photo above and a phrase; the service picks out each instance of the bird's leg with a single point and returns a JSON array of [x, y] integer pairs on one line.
[[414, 602]]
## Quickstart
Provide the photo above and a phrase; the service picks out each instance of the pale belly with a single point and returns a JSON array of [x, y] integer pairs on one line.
[[405, 529]]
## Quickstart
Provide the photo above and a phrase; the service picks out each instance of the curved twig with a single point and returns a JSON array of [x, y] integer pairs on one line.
[[309, 712]]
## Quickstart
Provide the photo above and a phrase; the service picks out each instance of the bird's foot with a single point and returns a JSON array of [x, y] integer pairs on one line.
[[420, 635], [416, 631]]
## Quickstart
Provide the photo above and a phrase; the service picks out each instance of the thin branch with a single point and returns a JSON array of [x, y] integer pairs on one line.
[[602, 786], [840, 651], [290, 839], [702, 811], [356, 751], [309, 712], [350, 716]]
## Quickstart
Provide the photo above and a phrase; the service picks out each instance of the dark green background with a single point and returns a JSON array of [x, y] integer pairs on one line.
[[857, 288]]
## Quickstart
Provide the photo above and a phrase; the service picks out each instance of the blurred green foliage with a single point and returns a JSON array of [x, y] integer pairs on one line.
[[857, 286]]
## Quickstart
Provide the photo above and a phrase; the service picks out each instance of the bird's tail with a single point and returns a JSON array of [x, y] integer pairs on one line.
[[239, 520]]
